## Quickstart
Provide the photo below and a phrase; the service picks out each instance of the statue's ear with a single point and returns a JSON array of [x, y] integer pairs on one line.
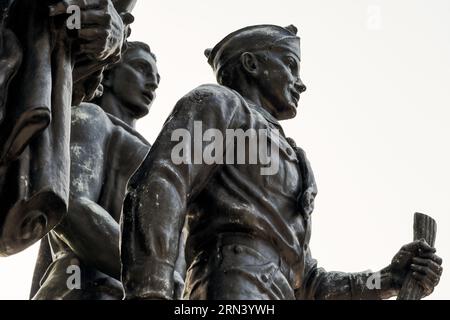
[[250, 63]]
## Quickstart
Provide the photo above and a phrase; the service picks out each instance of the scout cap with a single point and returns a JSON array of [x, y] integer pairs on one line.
[[251, 39]]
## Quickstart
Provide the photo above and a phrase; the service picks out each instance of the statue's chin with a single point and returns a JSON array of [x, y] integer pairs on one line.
[[138, 111], [288, 113]]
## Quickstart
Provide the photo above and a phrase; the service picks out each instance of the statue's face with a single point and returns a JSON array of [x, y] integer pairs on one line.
[[135, 81], [279, 82]]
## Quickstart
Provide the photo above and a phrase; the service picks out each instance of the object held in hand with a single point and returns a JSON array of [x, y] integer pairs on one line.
[[425, 228]]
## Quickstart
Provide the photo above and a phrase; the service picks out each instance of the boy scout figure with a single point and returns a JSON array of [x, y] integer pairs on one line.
[[248, 232]]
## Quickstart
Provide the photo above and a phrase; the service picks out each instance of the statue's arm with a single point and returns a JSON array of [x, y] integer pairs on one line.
[[319, 284], [384, 284], [92, 233], [91, 228], [336, 285], [88, 229], [160, 192]]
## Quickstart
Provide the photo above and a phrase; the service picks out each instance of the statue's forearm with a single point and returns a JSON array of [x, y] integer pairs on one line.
[[151, 230], [93, 235], [355, 286], [372, 285]]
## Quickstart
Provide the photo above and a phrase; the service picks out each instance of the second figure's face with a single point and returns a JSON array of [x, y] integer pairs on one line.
[[279, 82], [135, 82]]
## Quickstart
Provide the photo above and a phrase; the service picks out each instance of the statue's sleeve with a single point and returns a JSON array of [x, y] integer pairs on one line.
[[319, 284], [161, 190]]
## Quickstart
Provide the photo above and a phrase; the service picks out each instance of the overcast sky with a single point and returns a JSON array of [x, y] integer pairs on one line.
[[375, 120]]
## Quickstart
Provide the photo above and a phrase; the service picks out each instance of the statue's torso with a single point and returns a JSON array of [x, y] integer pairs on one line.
[[239, 199], [104, 154]]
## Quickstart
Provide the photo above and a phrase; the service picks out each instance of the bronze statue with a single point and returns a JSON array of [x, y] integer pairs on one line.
[[249, 223], [44, 62], [223, 198], [105, 151]]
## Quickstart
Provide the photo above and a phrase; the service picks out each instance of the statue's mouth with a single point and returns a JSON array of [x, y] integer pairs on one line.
[[295, 96]]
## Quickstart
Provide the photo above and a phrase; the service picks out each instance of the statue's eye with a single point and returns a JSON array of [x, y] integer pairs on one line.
[[292, 64], [140, 67]]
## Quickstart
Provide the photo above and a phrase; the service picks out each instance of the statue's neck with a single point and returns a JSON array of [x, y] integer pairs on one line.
[[112, 105], [253, 95]]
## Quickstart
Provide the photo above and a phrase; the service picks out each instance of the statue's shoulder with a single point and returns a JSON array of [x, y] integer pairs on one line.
[[211, 90], [88, 113], [90, 124], [127, 130], [211, 97]]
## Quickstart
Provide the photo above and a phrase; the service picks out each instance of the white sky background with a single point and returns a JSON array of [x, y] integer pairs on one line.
[[375, 120]]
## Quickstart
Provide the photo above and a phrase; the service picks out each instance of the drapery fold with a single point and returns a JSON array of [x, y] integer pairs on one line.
[[35, 133]]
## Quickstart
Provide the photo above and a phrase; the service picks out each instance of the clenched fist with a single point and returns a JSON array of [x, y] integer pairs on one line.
[[419, 258], [102, 29]]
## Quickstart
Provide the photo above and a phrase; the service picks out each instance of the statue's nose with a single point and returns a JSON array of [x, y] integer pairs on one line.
[[151, 86], [300, 86]]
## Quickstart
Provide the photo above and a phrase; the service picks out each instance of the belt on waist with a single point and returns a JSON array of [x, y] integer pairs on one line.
[[265, 248]]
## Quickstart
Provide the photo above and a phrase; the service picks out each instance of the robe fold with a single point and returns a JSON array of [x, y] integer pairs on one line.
[[35, 132]]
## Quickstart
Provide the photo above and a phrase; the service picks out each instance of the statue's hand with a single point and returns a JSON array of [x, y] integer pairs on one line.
[[102, 30], [421, 259]]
